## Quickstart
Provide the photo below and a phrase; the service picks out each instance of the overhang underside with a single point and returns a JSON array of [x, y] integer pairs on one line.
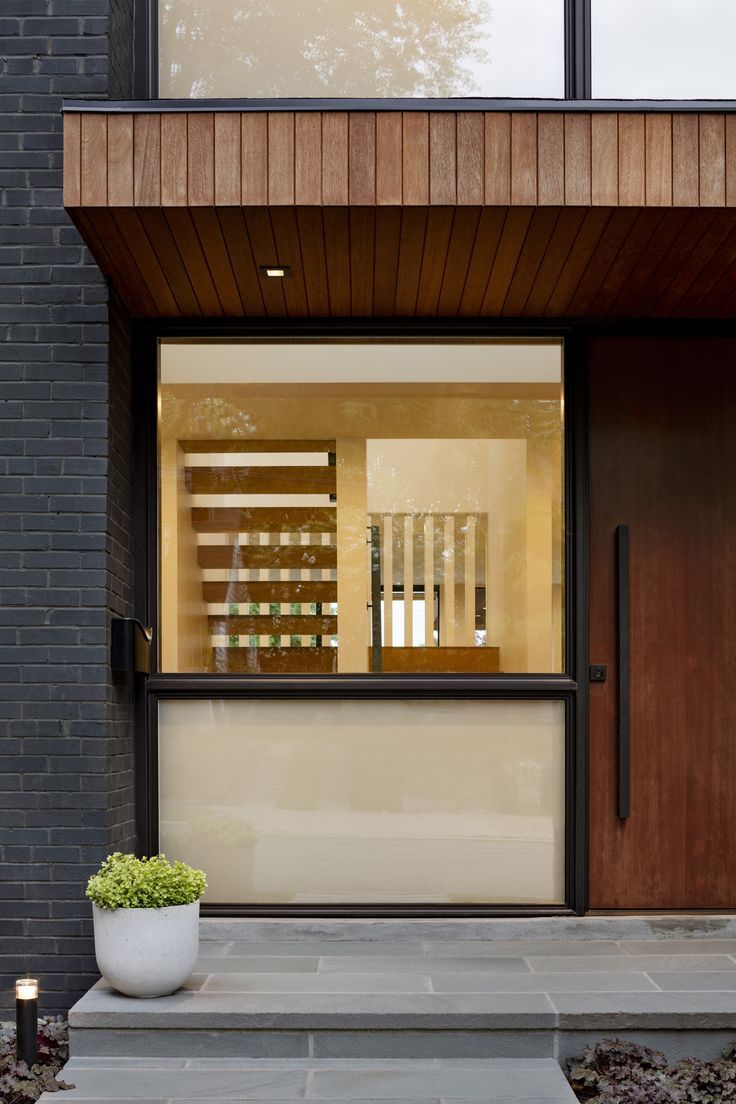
[[423, 262], [408, 214]]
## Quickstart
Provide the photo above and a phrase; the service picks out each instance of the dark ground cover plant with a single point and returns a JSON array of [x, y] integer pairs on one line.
[[618, 1072], [18, 1084]]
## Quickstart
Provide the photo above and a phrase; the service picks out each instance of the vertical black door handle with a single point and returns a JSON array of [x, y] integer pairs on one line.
[[624, 671]]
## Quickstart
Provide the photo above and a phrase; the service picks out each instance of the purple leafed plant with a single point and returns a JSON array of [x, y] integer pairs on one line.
[[18, 1083], [618, 1072]]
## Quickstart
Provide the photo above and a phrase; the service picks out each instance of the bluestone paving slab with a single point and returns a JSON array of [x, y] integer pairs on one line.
[[496, 1043], [544, 983], [694, 981], [278, 949], [317, 983], [507, 1081], [608, 1011], [189, 1042], [709, 963], [351, 965], [677, 946], [185, 1084], [496, 948]]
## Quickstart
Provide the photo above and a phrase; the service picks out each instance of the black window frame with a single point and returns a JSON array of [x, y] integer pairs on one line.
[[569, 688]]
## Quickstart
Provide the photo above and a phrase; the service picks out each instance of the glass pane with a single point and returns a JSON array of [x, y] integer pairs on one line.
[[663, 49], [361, 507], [334, 48], [378, 801]]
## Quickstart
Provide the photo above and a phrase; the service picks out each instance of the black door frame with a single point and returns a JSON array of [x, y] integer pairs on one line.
[[570, 688]]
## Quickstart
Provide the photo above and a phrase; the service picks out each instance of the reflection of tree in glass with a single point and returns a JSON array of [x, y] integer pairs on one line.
[[323, 47]]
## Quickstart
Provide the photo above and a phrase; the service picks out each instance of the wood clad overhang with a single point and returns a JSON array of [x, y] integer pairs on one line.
[[415, 213]]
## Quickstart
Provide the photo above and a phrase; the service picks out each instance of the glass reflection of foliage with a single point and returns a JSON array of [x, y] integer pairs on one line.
[[323, 47]]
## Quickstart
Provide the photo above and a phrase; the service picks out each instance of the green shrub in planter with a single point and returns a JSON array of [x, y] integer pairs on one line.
[[125, 882]]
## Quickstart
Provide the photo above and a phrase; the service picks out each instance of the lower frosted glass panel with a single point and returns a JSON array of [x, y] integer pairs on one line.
[[381, 801]]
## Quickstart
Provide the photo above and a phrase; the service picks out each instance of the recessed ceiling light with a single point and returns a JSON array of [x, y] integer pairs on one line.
[[278, 272]]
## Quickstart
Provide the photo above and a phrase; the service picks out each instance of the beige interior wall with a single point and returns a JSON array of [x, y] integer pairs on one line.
[[184, 629], [352, 555]]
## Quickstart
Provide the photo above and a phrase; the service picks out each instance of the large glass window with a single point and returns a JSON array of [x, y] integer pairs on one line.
[[345, 48], [332, 802], [663, 49], [361, 507]]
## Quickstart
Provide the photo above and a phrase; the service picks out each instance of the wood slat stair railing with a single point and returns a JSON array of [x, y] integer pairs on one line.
[[275, 591]]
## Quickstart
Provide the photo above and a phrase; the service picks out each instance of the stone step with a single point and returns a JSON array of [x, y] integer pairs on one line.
[[173, 1081]]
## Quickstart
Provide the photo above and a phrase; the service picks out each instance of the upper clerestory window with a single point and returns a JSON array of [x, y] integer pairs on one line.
[[361, 48]]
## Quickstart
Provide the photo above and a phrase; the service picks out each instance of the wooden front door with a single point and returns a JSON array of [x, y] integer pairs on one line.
[[663, 462]]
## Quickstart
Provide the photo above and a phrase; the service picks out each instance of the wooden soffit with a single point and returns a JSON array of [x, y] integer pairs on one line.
[[411, 214]]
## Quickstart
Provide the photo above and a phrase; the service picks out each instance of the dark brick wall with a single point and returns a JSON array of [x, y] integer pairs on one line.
[[66, 765]]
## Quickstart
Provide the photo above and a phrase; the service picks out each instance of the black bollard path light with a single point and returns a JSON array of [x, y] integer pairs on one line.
[[26, 1020]]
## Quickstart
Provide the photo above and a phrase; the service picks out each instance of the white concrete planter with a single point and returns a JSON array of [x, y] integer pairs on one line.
[[147, 952]]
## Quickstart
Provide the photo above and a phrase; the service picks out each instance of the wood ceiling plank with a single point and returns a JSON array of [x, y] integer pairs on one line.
[[490, 228], [679, 244], [362, 253], [244, 268], [94, 160], [692, 268], [470, 158], [308, 158], [288, 250], [434, 260], [386, 260], [511, 243], [228, 171], [334, 158], [288, 556], [131, 229], [254, 154], [147, 160], [389, 140], [577, 160], [201, 159], [123, 263], [536, 243], [498, 158], [72, 160], [263, 249], [337, 252], [524, 158], [566, 230], [415, 158], [185, 235], [120, 189], [256, 444], [685, 169], [640, 281], [460, 250], [628, 259], [273, 625], [551, 155], [280, 158], [631, 160], [362, 158], [215, 250], [275, 661], [604, 159], [310, 227], [174, 158], [442, 158], [611, 241], [411, 252], [658, 142], [586, 242], [712, 160], [159, 235], [113, 256], [717, 282]]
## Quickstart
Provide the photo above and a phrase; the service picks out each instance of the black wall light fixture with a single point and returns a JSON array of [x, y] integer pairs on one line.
[[130, 646]]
